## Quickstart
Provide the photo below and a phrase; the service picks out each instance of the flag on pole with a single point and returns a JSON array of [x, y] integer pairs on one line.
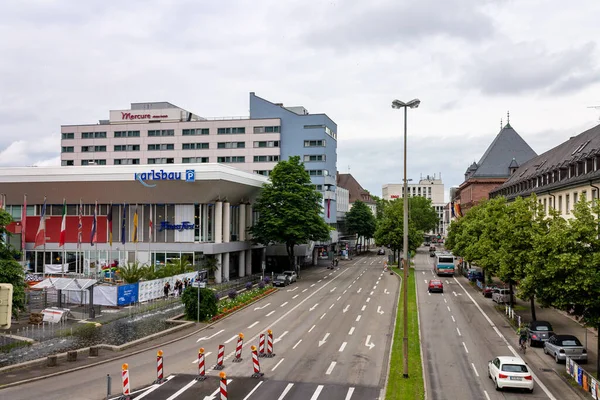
[[23, 222], [63, 225], [80, 226], [134, 236], [94, 235], [40, 236], [123, 226], [109, 218], [150, 225]]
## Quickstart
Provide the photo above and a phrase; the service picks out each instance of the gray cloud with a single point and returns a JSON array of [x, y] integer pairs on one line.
[[524, 67]]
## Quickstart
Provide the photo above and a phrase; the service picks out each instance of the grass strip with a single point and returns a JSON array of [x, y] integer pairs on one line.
[[412, 387]]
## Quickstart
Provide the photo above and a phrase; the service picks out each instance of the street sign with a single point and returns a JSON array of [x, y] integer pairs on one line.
[[201, 284], [264, 265]]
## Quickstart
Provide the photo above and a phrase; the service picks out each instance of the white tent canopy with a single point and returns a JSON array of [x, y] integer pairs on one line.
[[66, 284]]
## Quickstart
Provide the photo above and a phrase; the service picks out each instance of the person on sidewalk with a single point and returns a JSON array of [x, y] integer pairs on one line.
[[522, 332]]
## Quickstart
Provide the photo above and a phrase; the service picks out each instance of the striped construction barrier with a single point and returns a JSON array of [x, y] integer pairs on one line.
[[220, 357], [159, 367], [125, 381], [270, 344], [256, 364], [261, 345], [201, 368], [223, 385], [238, 348]]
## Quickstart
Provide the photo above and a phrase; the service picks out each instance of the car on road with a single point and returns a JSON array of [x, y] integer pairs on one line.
[[435, 285], [488, 290], [500, 295], [381, 252], [510, 372], [292, 275], [281, 280], [561, 346], [539, 332]]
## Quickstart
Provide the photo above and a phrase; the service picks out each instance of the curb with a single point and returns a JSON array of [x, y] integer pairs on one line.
[[112, 347]]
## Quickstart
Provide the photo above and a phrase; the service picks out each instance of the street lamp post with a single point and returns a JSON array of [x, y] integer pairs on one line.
[[396, 104]]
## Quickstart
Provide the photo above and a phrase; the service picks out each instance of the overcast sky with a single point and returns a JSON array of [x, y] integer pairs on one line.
[[468, 61]]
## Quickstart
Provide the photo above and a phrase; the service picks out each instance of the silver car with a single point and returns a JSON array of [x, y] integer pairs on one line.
[[292, 275], [539, 332], [561, 346]]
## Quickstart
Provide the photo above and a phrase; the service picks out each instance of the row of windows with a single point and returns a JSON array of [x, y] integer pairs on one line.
[[127, 147], [171, 132], [327, 130], [194, 146], [266, 158], [314, 143], [232, 159], [56, 210], [161, 146], [557, 201], [317, 157], [184, 160], [171, 146], [318, 172]]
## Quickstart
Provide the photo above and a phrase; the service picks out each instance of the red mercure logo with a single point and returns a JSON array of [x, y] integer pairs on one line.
[[130, 116]]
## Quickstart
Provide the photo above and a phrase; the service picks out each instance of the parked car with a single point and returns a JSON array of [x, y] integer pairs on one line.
[[475, 275], [501, 295], [539, 332], [510, 372], [292, 275], [281, 280], [561, 346], [488, 290], [381, 252], [435, 285]]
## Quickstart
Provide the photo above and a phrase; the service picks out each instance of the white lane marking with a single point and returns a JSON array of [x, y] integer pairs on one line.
[[363, 308], [349, 394], [212, 336], [487, 396], [313, 285], [351, 331], [445, 301], [255, 387], [475, 369], [465, 346], [453, 320], [331, 306], [319, 281], [285, 391], [338, 299], [374, 287], [313, 307], [153, 388], [358, 318], [349, 286], [359, 289], [322, 342], [271, 313], [253, 325], [302, 292], [371, 293], [230, 340], [296, 345], [295, 296], [332, 290], [277, 365], [330, 369], [368, 299], [385, 291], [317, 392], [313, 327], [344, 292], [205, 355], [343, 346], [323, 316], [453, 292], [448, 307], [423, 272], [183, 389], [260, 308], [281, 336], [284, 304], [540, 383], [429, 293], [291, 290], [458, 330], [425, 280], [346, 308]]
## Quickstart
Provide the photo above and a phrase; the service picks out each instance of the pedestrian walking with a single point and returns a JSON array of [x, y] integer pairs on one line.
[[166, 290]]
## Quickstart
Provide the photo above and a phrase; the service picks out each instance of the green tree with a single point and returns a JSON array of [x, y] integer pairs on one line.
[[422, 214], [208, 303], [360, 220], [289, 209], [390, 229], [11, 271]]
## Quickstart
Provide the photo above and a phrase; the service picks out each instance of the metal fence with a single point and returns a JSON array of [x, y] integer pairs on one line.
[[584, 379]]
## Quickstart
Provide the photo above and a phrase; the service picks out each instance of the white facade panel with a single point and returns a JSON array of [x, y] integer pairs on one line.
[[184, 213]]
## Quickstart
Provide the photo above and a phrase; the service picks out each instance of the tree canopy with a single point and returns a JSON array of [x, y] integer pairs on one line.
[[390, 227], [289, 209], [11, 271], [360, 220]]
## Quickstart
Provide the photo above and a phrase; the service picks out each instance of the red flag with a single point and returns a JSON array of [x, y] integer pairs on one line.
[[63, 225], [40, 237], [150, 225], [109, 218]]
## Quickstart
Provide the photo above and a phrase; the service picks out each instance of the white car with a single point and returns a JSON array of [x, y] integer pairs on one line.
[[292, 275], [510, 372]]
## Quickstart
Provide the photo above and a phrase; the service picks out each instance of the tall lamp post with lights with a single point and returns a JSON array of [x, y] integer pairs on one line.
[[396, 104]]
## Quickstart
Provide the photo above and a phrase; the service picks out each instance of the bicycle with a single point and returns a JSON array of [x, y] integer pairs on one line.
[[523, 346]]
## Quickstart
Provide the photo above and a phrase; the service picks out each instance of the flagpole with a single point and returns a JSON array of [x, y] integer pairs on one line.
[[23, 229], [150, 232]]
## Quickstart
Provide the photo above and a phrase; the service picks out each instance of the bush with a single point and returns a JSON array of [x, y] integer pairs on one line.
[[267, 279], [248, 285], [217, 298], [208, 303], [232, 294], [261, 285]]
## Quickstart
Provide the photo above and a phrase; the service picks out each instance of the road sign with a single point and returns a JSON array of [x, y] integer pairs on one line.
[[201, 284], [264, 265]]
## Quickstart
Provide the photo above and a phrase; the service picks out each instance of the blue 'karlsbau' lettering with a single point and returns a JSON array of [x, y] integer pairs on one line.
[[160, 175]]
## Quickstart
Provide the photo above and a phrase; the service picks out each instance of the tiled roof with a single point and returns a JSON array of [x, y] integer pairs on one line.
[[356, 192]]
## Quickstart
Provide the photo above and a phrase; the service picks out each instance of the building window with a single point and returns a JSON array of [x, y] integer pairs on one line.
[[161, 161], [584, 195], [69, 135], [163, 132], [67, 163], [161, 146], [266, 158], [266, 144], [193, 132], [93, 162], [319, 187], [93, 135], [314, 143], [231, 145], [67, 149], [226, 160], [127, 147], [559, 204], [318, 172], [574, 199], [194, 146], [318, 157], [263, 172], [127, 161], [191, 160], [331, 133], [314, 126], [230, 131], [266, 129], [567, 204], [122, 134], [92, 149]]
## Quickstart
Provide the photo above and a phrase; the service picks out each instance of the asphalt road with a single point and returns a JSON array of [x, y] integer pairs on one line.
[[458, 340], [332, 333]]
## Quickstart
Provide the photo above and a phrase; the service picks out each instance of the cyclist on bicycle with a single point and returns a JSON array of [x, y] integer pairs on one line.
[[522, 332]]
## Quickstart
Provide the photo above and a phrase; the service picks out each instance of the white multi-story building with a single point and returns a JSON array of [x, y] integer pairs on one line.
[[430, 187]]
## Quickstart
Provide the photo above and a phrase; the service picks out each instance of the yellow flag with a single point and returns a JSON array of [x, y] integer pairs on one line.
[[134, 237]]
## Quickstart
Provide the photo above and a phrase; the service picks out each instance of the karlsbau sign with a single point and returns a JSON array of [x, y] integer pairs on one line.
[[162, 175]]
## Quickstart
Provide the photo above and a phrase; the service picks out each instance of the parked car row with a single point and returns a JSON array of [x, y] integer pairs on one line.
[[555, 345]]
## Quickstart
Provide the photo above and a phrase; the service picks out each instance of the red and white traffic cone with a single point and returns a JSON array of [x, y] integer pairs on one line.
[[238, 348], [256, 364], [223, 385], [125, 380], [270, 344], [201, 369], [159, 367], [220, 357], [261, 345]]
